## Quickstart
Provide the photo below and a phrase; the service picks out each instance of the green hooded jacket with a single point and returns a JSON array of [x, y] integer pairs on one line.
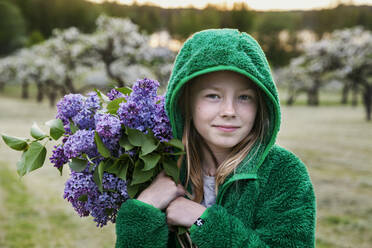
[[269, 201]]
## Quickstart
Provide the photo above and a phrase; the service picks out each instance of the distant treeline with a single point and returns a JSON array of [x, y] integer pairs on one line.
[[26, 22]]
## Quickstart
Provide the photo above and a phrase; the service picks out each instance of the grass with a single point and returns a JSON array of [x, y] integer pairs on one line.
[[27, 220], [334, 142]]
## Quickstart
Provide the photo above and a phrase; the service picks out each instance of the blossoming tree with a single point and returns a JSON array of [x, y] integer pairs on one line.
[[345, 55], [117, 49]]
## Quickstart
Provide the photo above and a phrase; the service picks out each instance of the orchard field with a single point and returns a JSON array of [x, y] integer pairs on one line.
[[335, 142]]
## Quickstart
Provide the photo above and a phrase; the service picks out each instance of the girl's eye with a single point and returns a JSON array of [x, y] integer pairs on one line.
[[212, 96], [245, 97]]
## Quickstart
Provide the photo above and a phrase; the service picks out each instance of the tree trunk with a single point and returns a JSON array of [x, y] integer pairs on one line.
[[354, 99], [2, 85], [40, 93], [25, 94], [367, 100], [290, 100], [52, 92], [345, 93], [313, 94], [69, 85], [312, 97], [119, 81]]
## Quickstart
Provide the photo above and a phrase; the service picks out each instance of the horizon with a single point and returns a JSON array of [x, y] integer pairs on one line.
[[258, 5]]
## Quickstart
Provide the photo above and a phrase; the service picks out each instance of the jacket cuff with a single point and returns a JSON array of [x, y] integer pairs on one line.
[[204, 217]]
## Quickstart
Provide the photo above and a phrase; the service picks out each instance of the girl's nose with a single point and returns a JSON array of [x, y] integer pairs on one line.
[[227, 108]]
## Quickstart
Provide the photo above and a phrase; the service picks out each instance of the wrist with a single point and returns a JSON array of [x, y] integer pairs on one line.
[[146, 200]]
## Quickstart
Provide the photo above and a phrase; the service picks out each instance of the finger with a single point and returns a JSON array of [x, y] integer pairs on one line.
[[180, 190], [161, 174]]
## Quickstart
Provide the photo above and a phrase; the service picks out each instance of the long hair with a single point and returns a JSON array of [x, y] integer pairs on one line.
[[193, 143]]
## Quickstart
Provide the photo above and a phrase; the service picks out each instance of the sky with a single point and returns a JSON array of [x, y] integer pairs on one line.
[[253, 4]]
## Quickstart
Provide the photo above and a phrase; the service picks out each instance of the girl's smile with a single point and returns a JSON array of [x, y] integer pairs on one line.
[[226, 128]]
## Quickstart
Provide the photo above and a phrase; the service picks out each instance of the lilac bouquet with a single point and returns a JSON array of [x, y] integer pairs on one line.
[[114, 146]]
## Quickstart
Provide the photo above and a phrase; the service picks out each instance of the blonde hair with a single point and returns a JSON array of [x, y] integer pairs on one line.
[[193, 142]]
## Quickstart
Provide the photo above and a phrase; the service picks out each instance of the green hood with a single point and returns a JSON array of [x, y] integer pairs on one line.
[[225, 49]]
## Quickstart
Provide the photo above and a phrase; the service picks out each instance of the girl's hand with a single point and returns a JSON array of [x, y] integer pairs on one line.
[[183, 212], [161, 191]]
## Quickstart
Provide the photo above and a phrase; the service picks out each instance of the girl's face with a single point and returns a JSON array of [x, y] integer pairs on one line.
[[224, 107]]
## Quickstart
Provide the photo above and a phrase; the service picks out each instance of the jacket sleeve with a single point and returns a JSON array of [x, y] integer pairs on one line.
[[140, 225], [284, 214]]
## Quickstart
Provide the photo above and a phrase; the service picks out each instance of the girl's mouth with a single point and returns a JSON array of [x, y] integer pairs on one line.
[[226, 128]]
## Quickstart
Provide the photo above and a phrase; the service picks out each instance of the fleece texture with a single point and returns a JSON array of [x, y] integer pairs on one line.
[[269, 200]]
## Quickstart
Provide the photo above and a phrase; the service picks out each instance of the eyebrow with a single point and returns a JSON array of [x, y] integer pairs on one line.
[[218, 88]]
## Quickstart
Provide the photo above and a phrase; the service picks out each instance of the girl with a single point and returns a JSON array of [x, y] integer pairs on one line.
[[243, 190]]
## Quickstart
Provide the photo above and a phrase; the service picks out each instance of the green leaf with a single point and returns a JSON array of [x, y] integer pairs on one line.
[[56, 128], [101, 170], [124, 142], [150, 160], [123, 169], [113, 106], [102, 96], [21, 165], [174, 153], [135, 136], [132, 190], [175, 143], [15, 143], [97, 179], [150, 143], [112, 166], [78, 165], [34, 157], [101, 147], [140, 176], [147, 142], [171, 169], [124, 90], [83, 198], [60, 169], [73, 127], [37, 133]]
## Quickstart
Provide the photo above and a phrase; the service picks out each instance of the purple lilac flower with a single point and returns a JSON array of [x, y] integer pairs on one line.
[[112, 144], [58, 157], [84, 119], [162, 128], [140, 107], [129, 115], [80, 109], [92, 103], [80, 142], [86, 199], [107, 125], [107, 204], [145, 88], [69, 106], [76, 187], [114, 94]]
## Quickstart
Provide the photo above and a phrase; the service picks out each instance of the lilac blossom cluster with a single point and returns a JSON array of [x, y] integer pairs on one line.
[[82, 192], [145, 110], [84, 117]]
